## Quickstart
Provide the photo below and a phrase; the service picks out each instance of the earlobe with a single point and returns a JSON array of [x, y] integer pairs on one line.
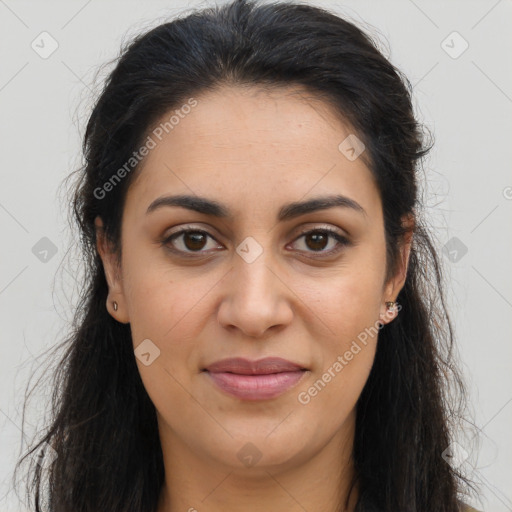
[[390, 313], [116, 310], [115, 303]]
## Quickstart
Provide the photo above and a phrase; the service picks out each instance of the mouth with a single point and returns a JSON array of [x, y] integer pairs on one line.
[[255, 380]]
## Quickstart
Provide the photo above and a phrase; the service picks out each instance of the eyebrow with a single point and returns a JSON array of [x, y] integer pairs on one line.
[[287, 212]]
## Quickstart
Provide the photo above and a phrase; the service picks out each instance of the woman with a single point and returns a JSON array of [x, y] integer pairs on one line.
[[262, 325]]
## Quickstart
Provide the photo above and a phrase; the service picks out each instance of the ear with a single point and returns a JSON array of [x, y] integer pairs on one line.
[[112, 275], [395, 284]]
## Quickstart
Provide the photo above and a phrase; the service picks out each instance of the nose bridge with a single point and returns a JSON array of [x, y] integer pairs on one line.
[[252, 267], [255, 290], [255, 298]]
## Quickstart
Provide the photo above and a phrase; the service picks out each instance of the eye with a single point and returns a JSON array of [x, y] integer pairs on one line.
[[189, 241], [192, 241], [315, 241]]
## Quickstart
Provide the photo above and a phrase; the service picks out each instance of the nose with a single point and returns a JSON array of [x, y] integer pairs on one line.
[[257, 298]]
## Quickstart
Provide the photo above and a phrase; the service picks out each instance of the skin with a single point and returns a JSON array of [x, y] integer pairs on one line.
[[253, 150]]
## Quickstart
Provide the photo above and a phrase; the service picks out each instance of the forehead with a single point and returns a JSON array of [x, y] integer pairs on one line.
[[253, 146]]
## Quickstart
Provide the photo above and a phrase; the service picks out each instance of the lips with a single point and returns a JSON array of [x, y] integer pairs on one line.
[[261, 367], [255, 380]]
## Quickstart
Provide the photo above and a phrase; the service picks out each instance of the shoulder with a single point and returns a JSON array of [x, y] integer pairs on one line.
[[467, 508]]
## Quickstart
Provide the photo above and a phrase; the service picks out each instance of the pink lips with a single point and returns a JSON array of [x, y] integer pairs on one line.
[[255, 380]]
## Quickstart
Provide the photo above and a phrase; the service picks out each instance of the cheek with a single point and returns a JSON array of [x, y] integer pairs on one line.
[[337, 389], [160, 300], [350, 307], [347, 302], [170, 308], [351, 310], [167, 311]]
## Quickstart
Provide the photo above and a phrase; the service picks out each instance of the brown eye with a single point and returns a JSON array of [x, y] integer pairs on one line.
[[188, 241], [194, 240], [317, 240]]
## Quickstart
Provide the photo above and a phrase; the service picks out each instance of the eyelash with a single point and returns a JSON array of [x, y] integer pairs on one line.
[[342, 241]]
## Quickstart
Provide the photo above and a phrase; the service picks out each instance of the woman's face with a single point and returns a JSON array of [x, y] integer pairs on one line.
[[250, 284]]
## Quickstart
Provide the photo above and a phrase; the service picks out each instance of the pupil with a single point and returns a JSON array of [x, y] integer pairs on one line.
[[315, 237], [196, 239]]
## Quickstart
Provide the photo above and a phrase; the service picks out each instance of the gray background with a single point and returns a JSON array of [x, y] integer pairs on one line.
[[465, 99]]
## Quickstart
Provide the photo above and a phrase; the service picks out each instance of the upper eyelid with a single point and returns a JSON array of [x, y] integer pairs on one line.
[[332, 231], [302, 231]]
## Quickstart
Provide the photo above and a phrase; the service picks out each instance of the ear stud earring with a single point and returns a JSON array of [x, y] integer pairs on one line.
[[115, 305], [390, 305]]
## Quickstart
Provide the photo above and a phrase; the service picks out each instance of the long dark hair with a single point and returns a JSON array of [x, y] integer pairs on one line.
[[103, 427]]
